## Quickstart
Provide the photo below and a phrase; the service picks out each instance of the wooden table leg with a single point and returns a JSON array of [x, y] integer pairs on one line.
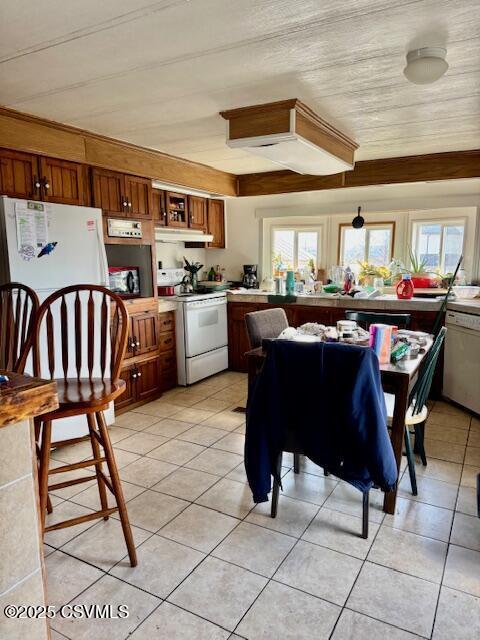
[[401, 385]]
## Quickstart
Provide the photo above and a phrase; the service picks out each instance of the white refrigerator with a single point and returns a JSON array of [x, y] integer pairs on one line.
[[78, 257]]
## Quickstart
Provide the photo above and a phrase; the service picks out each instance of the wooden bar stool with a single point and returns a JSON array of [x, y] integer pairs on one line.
[[18, 313], [87, 326]]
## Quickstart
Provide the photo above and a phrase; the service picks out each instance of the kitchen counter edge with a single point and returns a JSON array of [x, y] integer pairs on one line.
[[24, 397]]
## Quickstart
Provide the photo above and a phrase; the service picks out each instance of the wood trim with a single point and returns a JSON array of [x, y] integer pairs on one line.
[[24, 132], [452, 165], [345, 225], [274, 117]]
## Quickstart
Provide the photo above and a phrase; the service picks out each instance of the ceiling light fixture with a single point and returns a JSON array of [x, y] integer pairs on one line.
[[426, 65], [358, 221]]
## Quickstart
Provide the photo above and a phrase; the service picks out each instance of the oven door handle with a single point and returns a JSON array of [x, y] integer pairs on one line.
[[193, 305]]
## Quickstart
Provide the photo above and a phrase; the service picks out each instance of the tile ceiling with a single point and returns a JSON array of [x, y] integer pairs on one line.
[[158, 73]]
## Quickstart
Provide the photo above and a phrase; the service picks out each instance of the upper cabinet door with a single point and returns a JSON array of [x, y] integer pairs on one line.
[[62, 182], [139, 197], [109, 192], [158, 207], [19, 175], [216, 223], [197, 210], [177, 209]]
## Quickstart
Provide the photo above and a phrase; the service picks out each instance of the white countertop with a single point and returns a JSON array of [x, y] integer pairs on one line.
[[466, 306], [166, 304], [325, 300]]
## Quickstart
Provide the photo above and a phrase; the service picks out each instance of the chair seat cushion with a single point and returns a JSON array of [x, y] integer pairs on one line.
[[410, 418], [76, 396]]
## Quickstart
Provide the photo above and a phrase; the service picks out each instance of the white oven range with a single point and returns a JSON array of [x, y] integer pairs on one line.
[[202, 338]]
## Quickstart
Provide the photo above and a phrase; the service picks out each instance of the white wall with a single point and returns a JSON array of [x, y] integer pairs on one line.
[[171, 254], [244, 216]]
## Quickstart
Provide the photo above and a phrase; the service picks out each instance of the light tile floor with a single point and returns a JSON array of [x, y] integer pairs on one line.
[[214, 566]]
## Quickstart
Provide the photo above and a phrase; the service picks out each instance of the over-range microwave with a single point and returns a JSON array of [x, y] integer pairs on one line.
[[124, 281]]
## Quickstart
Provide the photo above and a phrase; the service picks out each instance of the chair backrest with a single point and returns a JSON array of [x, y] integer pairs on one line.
[[18, 313], [265, 324], [81, 332], [366, 318], [421, 389]]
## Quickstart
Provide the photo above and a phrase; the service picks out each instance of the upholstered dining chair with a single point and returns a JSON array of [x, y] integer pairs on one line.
[[79, 341], [266, 324]]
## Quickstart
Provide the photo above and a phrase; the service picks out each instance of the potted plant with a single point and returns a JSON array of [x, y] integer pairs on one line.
[[368, 272], [421, 277]]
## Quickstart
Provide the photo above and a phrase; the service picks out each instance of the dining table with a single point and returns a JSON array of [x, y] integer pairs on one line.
[[397, 379]]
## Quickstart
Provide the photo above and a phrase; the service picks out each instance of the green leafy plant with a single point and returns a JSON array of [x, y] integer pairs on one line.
[[418, 265]]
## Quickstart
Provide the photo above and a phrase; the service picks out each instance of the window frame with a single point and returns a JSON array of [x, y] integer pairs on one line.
[[388, 224], [298, 228], [442, 222]]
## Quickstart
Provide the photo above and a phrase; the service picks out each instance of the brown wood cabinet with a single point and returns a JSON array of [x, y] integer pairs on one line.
[[150, 365], [197, 213], [24, 175], [145, 332], [216, 223], [63, 182], [139, 197], [159, 210], [177, 209], [19, 174], [121, 195], [168, 353]]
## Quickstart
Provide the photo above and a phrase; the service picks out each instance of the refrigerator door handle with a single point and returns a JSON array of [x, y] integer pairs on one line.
[[102, 254]]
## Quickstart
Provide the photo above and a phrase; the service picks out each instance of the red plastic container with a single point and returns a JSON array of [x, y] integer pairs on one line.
[[405, 288], [421, 282]]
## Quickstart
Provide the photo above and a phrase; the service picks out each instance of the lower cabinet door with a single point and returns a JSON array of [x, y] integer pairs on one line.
[[147, 378], [128, 396]]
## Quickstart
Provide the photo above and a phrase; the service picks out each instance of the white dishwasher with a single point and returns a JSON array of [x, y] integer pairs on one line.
[[461, 373]]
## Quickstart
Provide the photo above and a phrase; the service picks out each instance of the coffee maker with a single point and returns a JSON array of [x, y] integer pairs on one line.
[[250, 280]]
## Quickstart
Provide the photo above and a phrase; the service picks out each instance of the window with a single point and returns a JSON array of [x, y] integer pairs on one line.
[[439, 244], [295, 248], [373, 243]]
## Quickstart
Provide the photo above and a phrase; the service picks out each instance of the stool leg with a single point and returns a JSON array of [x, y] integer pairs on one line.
[[98, 467], [411, 462], [276, 488], [117, 487], [365, 510], [296, 463], [43, 469], [419, 446]]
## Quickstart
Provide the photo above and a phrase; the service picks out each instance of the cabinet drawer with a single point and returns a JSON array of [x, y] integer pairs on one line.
[[169, 379], [168, 360], [167, 341], [167, 321]]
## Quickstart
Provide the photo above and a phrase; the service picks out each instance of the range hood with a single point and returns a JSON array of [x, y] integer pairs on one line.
[[181, 235], [291, 135]]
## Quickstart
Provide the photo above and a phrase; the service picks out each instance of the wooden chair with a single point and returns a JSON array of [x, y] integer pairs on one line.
[[417, 412], [366, 318], [18, 313], [75, 322]]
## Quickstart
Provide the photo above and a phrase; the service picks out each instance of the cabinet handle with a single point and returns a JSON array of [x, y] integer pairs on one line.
[[129, 204], [36, 183], [46, 184], [134, 375], [139, 374], [137, 343], [164, 214], [124, 201]]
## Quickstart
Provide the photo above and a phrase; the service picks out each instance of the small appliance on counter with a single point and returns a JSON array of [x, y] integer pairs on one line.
[[250, 280], [124, 281], [168, 281]]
